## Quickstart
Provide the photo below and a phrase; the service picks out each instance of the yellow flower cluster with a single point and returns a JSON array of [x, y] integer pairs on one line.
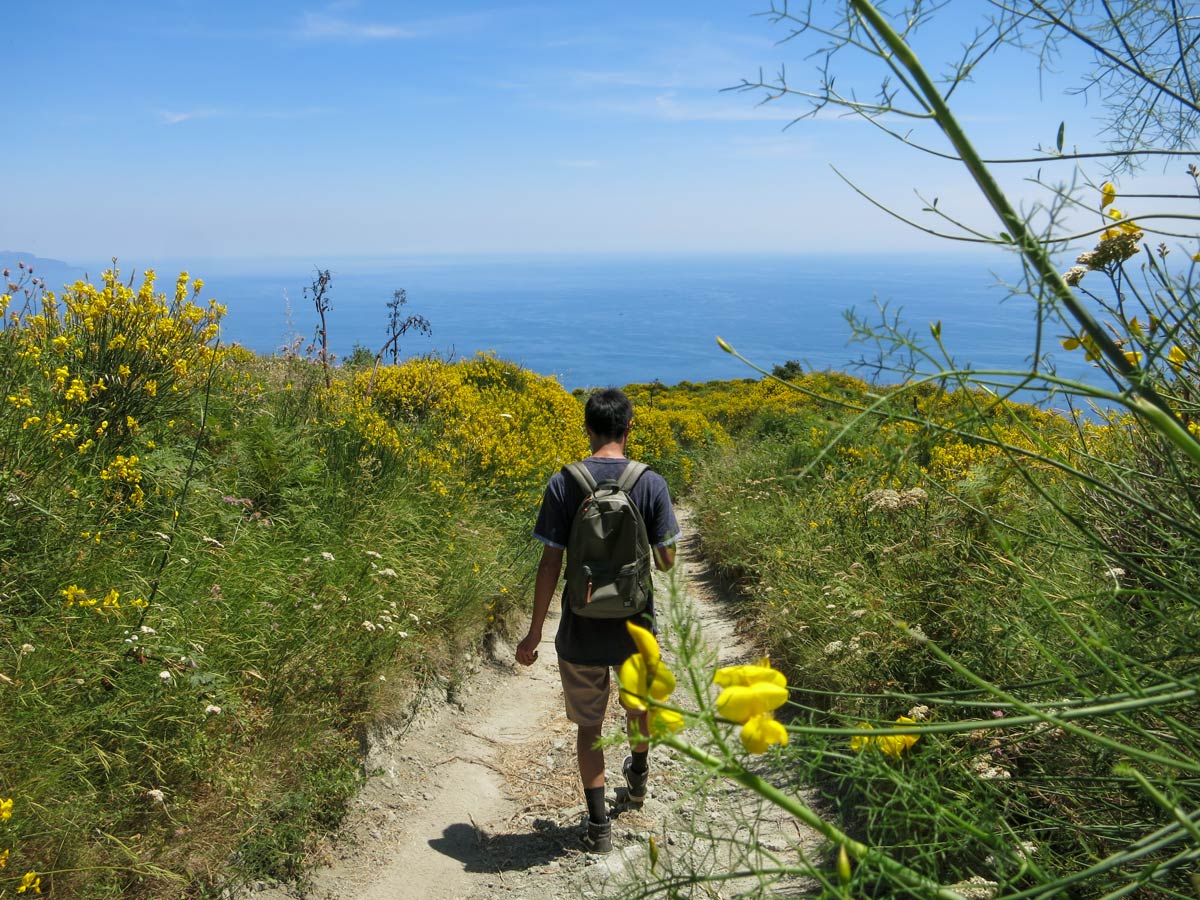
[[646, 681], [108, 356], [750, 695], [484, 422], [74, 595], [31, 881], [126, 478], [889, 743]]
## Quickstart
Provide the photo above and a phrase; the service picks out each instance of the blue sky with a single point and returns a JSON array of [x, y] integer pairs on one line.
[[218, 129]]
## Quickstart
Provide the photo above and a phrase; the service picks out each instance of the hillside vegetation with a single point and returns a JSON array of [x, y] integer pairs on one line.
[[217, 573]]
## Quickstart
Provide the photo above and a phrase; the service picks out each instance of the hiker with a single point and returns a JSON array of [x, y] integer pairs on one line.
[[588, 647]]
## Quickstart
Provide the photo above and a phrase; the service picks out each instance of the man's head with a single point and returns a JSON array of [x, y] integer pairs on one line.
[[608, 414]]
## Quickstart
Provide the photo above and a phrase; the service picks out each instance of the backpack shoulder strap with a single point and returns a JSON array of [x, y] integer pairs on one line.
[[630, 476], [582, 477]]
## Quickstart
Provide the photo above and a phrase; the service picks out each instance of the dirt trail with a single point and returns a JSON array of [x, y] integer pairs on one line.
[[479, 798]]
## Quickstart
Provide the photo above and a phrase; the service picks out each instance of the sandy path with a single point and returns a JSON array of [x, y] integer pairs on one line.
[[480, 798]]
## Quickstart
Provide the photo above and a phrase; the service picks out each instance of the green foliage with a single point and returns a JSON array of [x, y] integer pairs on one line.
[[1030, 616], [195, 613], [359, 357]]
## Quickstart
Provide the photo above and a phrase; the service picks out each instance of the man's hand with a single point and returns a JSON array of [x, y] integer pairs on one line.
[[527, 650]]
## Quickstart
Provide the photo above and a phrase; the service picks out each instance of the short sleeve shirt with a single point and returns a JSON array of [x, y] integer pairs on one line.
[[602, 642]]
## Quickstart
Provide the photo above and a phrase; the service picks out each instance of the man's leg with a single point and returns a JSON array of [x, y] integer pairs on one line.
[[637, 766], [585, 689], [591, 757]]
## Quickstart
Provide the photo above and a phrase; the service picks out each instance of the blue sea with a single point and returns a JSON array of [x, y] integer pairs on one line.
[[593, 321]]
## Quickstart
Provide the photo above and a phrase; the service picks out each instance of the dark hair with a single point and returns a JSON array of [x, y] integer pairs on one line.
[[608, 413]]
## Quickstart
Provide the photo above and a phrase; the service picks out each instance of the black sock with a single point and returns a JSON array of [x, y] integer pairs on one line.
[[597, 810], [641, 761]]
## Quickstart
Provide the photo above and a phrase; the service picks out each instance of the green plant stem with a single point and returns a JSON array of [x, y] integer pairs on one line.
[[1171, 762], [859, 851], [1142, 398], [1161, 799]]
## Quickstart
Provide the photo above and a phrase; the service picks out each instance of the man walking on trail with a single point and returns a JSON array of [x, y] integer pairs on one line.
[[589, 647]]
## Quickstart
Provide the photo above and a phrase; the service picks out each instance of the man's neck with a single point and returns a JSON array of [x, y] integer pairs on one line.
[[611, 450]]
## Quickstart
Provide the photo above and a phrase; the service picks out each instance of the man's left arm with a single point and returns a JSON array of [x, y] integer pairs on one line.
[[664, 527], [664, 557]]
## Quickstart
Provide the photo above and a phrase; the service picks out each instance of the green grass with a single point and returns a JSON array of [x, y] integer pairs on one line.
[[161, 749], [1022, 608], [204, 605]]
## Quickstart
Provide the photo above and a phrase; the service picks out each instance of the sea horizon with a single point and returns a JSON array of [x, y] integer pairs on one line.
[[603, 318]]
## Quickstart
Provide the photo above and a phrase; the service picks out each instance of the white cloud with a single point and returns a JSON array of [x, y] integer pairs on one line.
[[177, 117], [172, 117], [325, 27], [786, 146], [671, 107], [317, 26]]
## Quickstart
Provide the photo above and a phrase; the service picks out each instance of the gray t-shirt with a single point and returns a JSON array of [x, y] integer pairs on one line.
[[602, 642]]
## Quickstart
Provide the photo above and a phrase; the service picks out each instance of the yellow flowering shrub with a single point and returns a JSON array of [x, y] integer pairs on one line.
[[108, 360], [483, 422]]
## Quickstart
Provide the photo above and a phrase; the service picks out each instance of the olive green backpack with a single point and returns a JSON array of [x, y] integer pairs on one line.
[[608, 552]]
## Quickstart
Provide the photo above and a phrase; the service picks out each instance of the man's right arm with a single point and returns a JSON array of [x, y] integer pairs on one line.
[[548, 572]]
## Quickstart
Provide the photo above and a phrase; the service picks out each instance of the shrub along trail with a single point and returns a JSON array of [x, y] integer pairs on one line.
[[478, 797]]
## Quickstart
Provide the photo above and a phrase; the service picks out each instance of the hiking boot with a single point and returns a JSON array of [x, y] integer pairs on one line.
[[598, 837], [636, 781]]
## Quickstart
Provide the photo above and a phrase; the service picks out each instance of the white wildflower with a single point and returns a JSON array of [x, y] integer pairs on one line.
[[373, 554], [414, 617], [919, 713], [212, 540], [885, 499], [1074, 275], [387, 573], [26, 649], [402, 634], [146, 629], [327, 556], [976, 888], [156, 796], [369, 625], [890, 500], [982, 766], [833, 648], [212, 710], [164, 676]]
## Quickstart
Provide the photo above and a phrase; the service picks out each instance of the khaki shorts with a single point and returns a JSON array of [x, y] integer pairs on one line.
[[585, 690]]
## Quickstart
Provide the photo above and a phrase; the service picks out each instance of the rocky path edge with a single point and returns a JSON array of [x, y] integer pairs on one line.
[[479, 798]]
